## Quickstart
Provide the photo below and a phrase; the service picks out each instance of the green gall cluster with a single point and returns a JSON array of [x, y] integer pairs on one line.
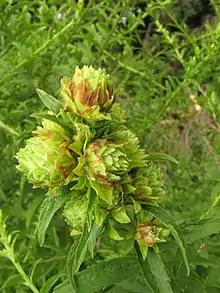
[[47, 159], [74, 212], [149, 235], [148, 184], [86, 146], [88, 93]]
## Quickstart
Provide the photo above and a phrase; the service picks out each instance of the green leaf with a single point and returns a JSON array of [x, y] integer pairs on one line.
[[78, 251], [100, 216], [92, 240], [56, 120], [121, 216], [33, 268], [3, 253], [170, 223], [8, 129], [106, 193], [148, 276], [159, 272], [202, 229], [12, 281], [79, 168], [64, 287], [83, 134], [71, 262], [50, 283], [88, 240], [51, 204], [117, 289], [31, 209], [80, 184], [213, 279], [50, 102], [136, 283], [90, 194], [128, 188], [105, 274], [144, 250], [161, 157], [112, 233], [137, 205]]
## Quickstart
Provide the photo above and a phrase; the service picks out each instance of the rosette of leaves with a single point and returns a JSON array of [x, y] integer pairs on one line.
[[88, 94], [47, 160]]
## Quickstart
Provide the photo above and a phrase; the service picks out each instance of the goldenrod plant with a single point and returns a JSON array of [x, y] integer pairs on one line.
[[85, 149], [94, 201]]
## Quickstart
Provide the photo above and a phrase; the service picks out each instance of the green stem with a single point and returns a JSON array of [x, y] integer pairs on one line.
[[9, 253], [8, 129], [27, 280]]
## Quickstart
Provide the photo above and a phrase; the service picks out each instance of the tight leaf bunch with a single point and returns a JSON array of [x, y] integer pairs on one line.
[[85, 147]]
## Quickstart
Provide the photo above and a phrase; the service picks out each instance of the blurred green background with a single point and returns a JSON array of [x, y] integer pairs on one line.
[[166, 57]]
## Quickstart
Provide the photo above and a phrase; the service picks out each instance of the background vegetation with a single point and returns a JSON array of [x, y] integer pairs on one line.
[[165, 54]]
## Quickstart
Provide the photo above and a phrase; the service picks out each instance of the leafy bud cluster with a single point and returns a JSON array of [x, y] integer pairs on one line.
[[84, 145]]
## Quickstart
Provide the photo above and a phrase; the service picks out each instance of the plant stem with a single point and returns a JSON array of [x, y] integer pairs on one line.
[[9, 253], [8, 129], [27, 280]]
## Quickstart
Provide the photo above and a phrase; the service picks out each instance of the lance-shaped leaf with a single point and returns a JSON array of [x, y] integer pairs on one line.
[[78, 251], [154, 272], [161, 157], [50, 102], [64, 287], [46, 288], [202, 229], [52, 203]]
